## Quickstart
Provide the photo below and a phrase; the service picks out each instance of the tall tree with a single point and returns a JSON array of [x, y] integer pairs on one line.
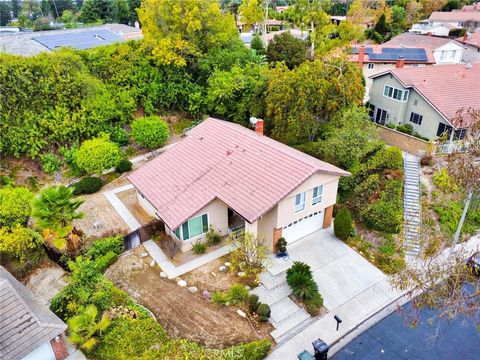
[[15, 8], [251, 12], [96, 10], [120, 11], [5, 13], [57, 7], [285, 47], [299, 100], [180, 32]]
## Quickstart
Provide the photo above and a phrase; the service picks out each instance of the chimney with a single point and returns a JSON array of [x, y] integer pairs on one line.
[[361, 55], [259, 127], [400, 62], [465, 37], [429, 33]]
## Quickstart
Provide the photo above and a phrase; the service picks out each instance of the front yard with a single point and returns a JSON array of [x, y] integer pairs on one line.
[[184, 314]]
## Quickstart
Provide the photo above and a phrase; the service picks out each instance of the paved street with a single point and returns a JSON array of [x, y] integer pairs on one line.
[[393, 338]]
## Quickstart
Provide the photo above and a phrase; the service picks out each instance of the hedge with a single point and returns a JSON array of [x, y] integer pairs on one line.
[[150, 132], [97, 155], [87, 185], [15, 205], [342, 224]]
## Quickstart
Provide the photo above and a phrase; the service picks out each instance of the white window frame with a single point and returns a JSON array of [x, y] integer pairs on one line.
[[390, 91], [196, 236], [317, 199], [301, 205], [419, 118]]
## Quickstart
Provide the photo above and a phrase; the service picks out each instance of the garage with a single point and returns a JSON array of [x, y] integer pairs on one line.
[[303, 227]]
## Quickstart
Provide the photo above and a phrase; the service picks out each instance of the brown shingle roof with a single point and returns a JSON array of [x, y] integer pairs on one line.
[[249, 172], [448, 88], [25, 323]]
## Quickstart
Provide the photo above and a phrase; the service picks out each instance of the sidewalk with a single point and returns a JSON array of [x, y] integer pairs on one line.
[[381, 298]]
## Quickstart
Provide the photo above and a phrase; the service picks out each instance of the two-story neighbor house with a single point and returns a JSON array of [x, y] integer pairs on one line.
[[427, 98], [225, 176], [440, 22]]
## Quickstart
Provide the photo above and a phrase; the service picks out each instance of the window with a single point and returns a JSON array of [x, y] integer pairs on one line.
[[416, 118], [371, 111], [370, 66], [300, 202], [394, 93], [444, 128], [381, 116], [447, 55], [195, 227], [177, 233], [459, 134], [317, 194]]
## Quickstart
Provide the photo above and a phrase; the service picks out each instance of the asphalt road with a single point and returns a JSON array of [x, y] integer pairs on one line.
[[393, 338]]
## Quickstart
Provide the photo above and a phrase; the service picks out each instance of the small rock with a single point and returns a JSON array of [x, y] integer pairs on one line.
[[182, 283], [144, 254], [241, 274], [192, 289], [163, 274], [227, 264], [206, 294], [222, 268], [152, 263], [248, 288], [241, 313], [213, 274]]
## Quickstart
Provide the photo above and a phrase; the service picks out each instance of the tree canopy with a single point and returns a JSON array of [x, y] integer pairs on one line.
[[180, 32], [285, 47]]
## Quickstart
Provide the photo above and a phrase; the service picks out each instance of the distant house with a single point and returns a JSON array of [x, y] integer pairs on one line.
[[29, 330], [426, 98], [225, 176], [272, 25], [440, 21], [32, 43], [375, 59], [472, 41], [444, 50]]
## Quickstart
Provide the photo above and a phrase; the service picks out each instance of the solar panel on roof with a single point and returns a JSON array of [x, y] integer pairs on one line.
[[79, 40], [392, 54]]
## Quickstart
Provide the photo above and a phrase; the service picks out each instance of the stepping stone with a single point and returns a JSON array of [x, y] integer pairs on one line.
[[193, 289], [182, 283]]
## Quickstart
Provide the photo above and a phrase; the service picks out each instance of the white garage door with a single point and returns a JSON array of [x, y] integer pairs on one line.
[[303, 227]]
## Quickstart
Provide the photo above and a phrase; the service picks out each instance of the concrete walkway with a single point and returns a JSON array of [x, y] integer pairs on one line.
[[173, 271], [411, 206], [379, 299], [121, 209]]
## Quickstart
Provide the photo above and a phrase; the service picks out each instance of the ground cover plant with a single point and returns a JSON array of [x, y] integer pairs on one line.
[[300, 279]]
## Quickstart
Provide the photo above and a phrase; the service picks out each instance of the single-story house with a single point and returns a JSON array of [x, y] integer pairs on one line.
[[427, 98], [228, 177], [29, 330]]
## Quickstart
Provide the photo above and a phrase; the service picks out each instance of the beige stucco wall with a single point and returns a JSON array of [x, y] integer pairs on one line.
[[286, 208], [400, 111], [406, 142], [265, 226]]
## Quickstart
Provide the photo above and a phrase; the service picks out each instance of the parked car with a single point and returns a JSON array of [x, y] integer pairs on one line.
[[474, 263]]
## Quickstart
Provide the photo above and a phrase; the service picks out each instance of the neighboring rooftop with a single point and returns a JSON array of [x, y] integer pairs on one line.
[[454, 16], [25, 323], [448, 88], [473, 7], [249, 172], [414, 40], [382, 53], [471, 39], [32, 43]]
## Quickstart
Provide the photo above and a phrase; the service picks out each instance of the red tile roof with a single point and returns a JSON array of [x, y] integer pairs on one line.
[[249, 172], [472, 39], [448, 88], [454, 16], [415, 40]]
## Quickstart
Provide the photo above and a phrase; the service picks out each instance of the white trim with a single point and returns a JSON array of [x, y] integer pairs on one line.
[[318, 197], [304, 193], [196, 237]]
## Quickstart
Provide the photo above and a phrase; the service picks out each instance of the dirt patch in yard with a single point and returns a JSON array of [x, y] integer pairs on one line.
[[46, 281], [129, 199], [181, 313]]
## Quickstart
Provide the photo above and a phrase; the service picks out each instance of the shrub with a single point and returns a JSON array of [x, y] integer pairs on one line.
[[15, 205], [97, 155], [87, 185], [119, 135], [444, 182], [219, 297], [427, 160], [303, 286], [386, 158], [253, 303], [123, 166], [199, 248], [150, 132], [282, 245], [405, 128], [299, 267], [263, 312], [50, 163], [391, 126], [237, 294], [19, 242], [213, 237], [342, 224], [314, 304], [103, 262], [103, 246]]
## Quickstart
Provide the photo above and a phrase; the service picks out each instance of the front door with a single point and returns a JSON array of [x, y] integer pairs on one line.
[[381, 116]]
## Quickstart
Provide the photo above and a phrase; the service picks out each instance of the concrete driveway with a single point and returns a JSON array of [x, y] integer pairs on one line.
[[339, 271]]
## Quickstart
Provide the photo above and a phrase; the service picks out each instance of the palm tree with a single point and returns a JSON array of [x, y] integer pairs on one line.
[[54, 211], [83, 327]]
